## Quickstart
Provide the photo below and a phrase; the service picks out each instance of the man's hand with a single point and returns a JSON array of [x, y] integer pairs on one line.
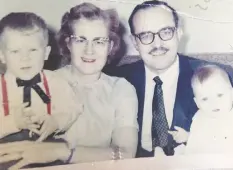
[[22, 116], [180, 135], [180, 149]]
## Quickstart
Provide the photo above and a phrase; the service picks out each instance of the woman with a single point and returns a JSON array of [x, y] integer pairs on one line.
[[107, 129]]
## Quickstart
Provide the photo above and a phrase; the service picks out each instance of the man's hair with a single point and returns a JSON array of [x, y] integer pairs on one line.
[[151, 4], [203, 73], [23, 21]]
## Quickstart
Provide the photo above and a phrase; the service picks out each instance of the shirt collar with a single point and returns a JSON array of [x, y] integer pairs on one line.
[[171, 73], [73, 79], [11, 78]]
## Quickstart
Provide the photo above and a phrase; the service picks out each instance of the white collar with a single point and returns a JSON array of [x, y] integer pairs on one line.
[[73, 79], [168, 76]]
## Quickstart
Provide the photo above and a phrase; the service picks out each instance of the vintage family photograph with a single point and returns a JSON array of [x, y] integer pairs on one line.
[[116, 84]]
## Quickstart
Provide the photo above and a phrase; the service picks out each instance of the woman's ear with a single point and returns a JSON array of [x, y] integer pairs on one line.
[[110, 47], [67, 40]]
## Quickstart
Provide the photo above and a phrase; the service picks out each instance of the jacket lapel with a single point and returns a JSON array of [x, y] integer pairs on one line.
[[184, 104]]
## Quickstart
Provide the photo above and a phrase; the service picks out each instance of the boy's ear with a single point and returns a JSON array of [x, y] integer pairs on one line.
[[47, 52], [2, 58]]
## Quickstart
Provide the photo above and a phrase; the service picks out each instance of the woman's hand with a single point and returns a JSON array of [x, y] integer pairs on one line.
[[32, 152]]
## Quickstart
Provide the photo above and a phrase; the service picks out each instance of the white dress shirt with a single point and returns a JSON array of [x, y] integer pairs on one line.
[[169, 79]]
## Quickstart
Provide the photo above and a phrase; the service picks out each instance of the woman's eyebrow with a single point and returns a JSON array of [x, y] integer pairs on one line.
[[81, 37], [100, 38]]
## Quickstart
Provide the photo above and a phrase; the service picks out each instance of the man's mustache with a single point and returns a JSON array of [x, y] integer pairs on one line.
[[158, 49]]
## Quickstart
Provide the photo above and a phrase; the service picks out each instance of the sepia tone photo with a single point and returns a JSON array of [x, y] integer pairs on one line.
[[116, 84]]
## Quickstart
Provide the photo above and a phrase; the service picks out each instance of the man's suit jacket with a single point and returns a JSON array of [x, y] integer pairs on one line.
[[184, 107]]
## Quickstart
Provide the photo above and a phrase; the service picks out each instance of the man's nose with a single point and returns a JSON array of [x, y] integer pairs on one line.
[[157, 42]]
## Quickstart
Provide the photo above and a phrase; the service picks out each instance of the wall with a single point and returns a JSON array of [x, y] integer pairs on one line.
[[208, 24]]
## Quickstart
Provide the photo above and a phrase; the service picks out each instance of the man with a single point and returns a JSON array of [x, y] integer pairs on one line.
[[162, 79]]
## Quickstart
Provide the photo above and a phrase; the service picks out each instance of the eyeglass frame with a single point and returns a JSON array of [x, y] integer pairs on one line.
[[103, 39], [157, 33]]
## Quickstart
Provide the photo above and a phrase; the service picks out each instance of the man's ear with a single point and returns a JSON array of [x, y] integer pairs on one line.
[[47, 52], [179, 33], [133, 39]]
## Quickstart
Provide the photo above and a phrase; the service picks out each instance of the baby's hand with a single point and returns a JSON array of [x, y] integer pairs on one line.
[[49, 126], [179, 150], [180, 135], [22, 117], [159, 152]]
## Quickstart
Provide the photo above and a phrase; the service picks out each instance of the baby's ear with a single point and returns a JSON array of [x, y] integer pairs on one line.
[[232, 92], [196, 101]]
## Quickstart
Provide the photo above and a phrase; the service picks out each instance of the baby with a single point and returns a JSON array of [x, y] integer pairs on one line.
[[212, 127], [35, 103]]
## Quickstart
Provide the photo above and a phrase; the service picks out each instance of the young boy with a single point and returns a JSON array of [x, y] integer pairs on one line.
[[212, 127], [35, 103]]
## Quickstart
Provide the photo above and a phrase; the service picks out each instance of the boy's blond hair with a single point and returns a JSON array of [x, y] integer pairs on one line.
[[24, 21]]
